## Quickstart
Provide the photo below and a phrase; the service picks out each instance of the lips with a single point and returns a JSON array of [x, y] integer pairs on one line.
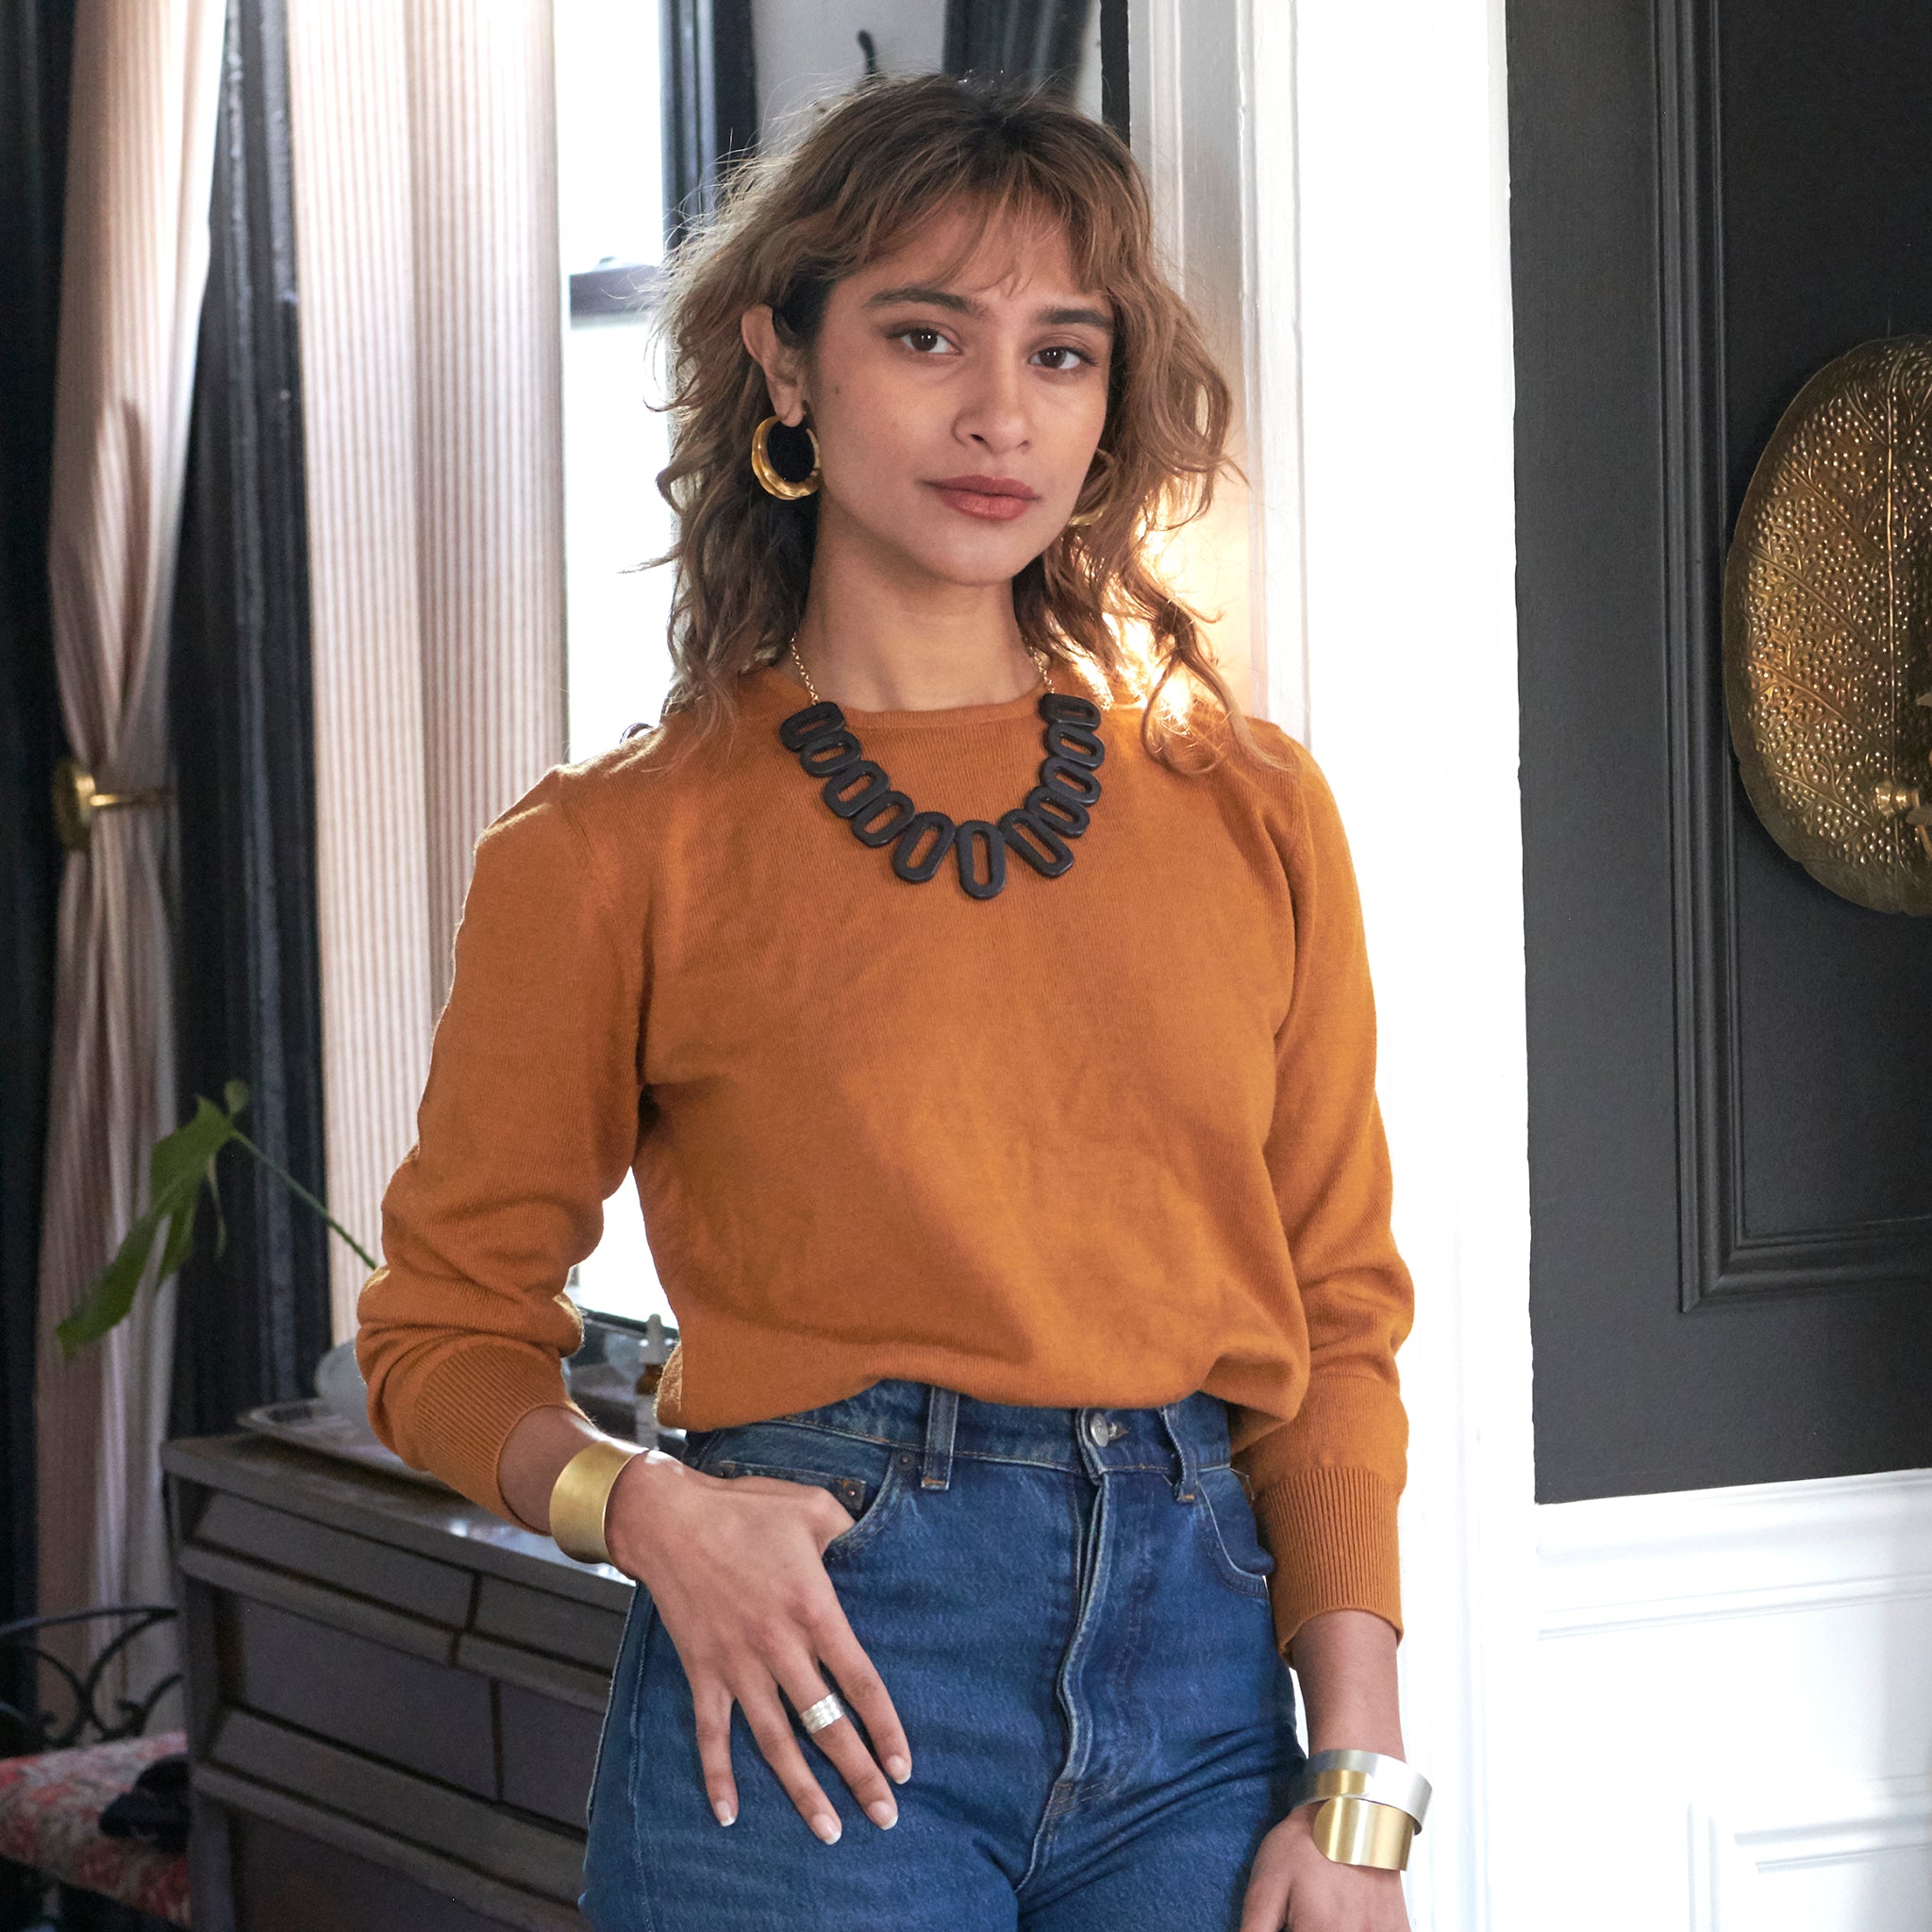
[[992, 499]]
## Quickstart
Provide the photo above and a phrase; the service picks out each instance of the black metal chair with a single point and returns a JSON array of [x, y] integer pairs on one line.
[[40, 1804]]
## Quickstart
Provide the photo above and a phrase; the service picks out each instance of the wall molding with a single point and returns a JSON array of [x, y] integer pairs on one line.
[[1699, 1556], [1734, 1848], [1721, 1259]]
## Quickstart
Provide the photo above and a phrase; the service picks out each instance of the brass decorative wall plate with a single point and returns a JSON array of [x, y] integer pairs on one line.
[[1827, 626]]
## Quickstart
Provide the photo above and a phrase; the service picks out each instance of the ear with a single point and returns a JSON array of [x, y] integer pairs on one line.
[[784, 367]]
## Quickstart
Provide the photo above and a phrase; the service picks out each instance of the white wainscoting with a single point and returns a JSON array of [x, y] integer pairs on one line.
[[1734, 1707]]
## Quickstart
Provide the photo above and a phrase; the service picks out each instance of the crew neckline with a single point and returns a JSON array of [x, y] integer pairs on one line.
[[780, 689]]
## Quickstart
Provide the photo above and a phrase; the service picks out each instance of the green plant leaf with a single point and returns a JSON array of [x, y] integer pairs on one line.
[[180, 1166]]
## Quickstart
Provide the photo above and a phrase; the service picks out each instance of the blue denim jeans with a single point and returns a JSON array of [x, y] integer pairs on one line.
[[1070, 1609]]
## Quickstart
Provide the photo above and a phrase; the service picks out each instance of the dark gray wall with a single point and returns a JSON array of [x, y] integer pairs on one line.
[[1730, 1067]]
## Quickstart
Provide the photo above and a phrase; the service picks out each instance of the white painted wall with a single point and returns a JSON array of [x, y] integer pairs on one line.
[[1708, 1712]]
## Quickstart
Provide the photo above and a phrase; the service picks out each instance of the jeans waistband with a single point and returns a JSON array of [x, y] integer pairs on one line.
[[1177, 1438]]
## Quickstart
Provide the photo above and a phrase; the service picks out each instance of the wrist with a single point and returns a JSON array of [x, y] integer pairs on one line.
[[1364, 1807], [647, 1488], [1364, 1730]]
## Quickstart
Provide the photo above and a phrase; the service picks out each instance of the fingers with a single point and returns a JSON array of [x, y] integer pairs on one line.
[[1265, 1908], [863, 1689], [770, 1724], [1269, 1882], [840, 1742], [712, 1707]]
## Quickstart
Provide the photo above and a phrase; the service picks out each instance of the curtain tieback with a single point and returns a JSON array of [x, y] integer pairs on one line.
[[75, 802]]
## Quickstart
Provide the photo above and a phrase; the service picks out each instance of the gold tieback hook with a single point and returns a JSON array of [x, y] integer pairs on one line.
[[76, 801]]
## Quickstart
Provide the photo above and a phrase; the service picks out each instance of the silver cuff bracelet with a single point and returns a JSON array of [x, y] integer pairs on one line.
[[1366, 1775]]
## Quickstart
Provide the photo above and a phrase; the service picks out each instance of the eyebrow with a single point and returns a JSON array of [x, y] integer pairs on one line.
[[964, 305]]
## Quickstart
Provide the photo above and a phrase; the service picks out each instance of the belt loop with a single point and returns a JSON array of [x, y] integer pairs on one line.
[[941, 1417], [1189, 1486]]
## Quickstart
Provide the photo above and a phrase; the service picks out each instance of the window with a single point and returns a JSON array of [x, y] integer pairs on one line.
[[610, 231]]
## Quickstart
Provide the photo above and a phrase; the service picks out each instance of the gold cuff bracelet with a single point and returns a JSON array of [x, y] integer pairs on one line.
[[1354, 1830], [1371, 1807], [581, 1495]]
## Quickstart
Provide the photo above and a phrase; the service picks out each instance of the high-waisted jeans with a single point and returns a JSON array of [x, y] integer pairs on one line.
[[1070, 1609]]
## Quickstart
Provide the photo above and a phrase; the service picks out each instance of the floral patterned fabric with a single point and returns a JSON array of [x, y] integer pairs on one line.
[[50, 1820]]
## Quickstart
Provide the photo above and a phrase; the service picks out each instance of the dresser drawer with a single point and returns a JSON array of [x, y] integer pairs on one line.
[[418, 1585], [554, 1624], [549, 1753], [427, 1717]]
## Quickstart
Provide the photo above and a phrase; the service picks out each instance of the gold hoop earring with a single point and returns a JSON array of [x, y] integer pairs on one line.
[[1080, 518], [766, 472]]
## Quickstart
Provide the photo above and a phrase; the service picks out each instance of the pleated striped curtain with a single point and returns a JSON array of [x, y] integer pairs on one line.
[[425, 221], [134, 266]]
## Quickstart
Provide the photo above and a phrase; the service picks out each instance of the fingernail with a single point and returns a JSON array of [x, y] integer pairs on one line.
[[726, 1813], [883, 1813], [827, 1826], [898, 1770]]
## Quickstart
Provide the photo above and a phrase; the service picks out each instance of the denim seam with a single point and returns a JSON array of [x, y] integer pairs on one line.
[[638, 1757], [1061, 1797]]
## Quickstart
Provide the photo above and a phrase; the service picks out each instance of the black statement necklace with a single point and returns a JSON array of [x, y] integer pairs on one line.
[[858, 791]]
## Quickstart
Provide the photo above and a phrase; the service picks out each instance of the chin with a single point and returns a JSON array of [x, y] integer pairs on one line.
[[981, 558]]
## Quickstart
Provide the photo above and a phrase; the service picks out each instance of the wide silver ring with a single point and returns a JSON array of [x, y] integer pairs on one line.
[[827, 1711]]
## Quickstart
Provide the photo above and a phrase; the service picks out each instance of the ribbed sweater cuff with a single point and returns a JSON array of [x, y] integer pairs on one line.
[[1332, 1534], [469, 1402]]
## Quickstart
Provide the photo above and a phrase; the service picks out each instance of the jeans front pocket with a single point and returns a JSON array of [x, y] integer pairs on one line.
[[1228, 1525], [868, 1478]]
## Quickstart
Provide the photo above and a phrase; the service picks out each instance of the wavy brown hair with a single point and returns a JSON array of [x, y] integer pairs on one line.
[[868, 172]]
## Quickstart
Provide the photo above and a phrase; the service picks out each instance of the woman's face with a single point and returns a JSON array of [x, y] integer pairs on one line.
[[958, 390]]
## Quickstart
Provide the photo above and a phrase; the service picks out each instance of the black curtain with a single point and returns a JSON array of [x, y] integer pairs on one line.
[[254, 1320], [711, 104], [35, 65], [1018, 39]]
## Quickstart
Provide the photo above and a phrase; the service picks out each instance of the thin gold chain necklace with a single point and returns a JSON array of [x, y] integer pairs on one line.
[[857, 790]]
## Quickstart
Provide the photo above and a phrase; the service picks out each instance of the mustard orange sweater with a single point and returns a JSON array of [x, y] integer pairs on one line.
[[1103, 1140]]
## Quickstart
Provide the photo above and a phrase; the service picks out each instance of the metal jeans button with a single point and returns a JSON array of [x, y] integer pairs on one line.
[[1099, 1429]]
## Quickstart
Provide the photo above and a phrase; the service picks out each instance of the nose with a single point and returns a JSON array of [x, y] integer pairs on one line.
[[992, 416]]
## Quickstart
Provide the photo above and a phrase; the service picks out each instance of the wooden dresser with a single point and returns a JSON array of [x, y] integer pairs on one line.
[[394, 1699]]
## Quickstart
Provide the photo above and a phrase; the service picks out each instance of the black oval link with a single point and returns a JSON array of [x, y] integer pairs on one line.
[[1070, 781], [876, 784], [1079, 744], [796, 729], [977, 832], [830, 751], [1067, 816], [864, 825], [1057, 809], [1035, 842], [1061, 707], [916, 873]]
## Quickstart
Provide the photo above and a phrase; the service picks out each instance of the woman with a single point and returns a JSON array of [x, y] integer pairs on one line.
[[1013, 1167]]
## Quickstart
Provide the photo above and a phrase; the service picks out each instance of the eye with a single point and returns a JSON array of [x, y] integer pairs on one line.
[[924, 341], [1062, 357]]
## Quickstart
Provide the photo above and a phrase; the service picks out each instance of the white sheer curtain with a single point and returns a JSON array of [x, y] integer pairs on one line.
[[425, 223], [133, 265]]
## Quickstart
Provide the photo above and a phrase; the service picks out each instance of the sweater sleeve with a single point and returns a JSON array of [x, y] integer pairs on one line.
[[527, 1126], [1325, 1483]]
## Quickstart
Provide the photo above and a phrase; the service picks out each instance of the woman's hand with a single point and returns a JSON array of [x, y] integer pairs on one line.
[[736, 1571], [1292, 1885]]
